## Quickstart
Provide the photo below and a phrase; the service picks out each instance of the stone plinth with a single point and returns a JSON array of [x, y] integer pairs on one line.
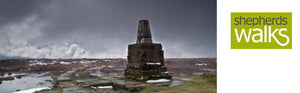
[[145, 59]]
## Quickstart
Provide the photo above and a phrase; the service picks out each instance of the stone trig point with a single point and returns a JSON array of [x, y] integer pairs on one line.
[[145, 59]]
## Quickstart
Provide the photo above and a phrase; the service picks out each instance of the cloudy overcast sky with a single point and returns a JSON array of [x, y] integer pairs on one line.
[[104, 28]]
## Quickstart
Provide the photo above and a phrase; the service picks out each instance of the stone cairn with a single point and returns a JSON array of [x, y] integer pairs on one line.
[[145, 59]]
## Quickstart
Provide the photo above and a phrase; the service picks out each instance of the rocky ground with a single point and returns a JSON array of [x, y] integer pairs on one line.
[[94, 75]]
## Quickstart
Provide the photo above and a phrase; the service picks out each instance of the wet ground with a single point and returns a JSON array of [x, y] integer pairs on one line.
[[21, 75], [22, 81]]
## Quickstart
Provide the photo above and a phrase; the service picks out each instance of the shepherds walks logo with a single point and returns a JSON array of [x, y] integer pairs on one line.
[[261, 30]]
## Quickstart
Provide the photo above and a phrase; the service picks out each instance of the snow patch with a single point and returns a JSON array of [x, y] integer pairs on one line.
[[101, 87], [200, 64], [148, 63], [65, 63], [158, 81], [110, 66], [107, 60], [40, 63], [32, 90], [82, 62]]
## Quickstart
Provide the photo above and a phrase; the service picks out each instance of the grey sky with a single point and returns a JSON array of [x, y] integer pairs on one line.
[[104, 28]]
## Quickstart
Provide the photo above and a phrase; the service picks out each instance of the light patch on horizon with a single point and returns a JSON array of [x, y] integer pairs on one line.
[[15, 42]]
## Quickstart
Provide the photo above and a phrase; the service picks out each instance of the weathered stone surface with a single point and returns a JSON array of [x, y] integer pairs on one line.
[[109, 90], [145, 59], [130, 86], [91, 84], [108, 77], [86, 82], [144, 33], [145, 62], [7, 78], [66, 85], [66, 76], [84, 74], [73, 90], [94, 82]]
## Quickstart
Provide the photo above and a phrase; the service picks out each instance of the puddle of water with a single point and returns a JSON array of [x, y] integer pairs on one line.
[[95, 71], [12, 75], [186, 79], [176, 83], [209, 70], [27, 82], [197, 74]]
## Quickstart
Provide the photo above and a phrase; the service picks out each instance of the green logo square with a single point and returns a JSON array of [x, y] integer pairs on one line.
[[261, 30]]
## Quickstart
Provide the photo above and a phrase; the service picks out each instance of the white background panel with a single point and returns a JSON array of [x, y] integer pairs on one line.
[[257, 70]]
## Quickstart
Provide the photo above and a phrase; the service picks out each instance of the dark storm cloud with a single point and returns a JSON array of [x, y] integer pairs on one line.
[[104, 28], [13, 10]]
